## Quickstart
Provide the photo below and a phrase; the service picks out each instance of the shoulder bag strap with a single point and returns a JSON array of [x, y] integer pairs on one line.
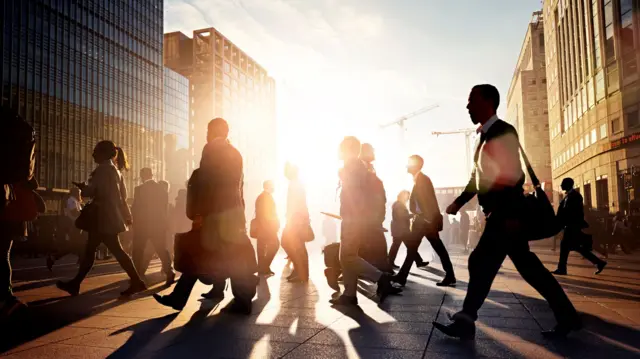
[[532, 174]]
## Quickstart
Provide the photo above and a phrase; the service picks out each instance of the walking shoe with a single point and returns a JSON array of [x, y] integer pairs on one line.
[[385, 288], [460, 328], [332, 278], [168, 301], [422, 264], [344, 300], [402, 282], [171, 278], [293, 274], [237, 307], [562, 330], [447, 282], [601, 266], [70, 287], [559, 272], [134, 288], [395, 266]]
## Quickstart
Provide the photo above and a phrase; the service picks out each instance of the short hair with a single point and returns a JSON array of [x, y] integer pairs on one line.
[[350, 144], [165, 185], [417, 159], [267, 183], [403, 192], [489, 93], [568, 181], [219, 127], [146, 172]]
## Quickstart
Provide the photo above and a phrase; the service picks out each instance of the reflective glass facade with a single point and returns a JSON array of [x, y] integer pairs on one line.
[[176, 107], [81, 71]]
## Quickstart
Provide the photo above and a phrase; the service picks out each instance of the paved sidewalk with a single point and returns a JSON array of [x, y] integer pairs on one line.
[[296, 321]]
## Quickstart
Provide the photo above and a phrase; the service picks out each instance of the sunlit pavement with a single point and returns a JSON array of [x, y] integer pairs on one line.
[[296, 321]]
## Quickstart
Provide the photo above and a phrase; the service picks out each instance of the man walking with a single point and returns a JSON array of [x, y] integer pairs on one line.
[[267, 226], [427, 222], [497, 180], [149, 210], [571, 218]]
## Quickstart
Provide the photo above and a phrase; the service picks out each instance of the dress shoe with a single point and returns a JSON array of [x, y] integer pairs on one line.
[[395, 266], [237, 307], [345, 300], [385, 288], [134, 288], [559, 272], [422, 264], [400, 281], [11, 306], [168, 301], [70, 287], [171, 278], [447, 282], [332, 278], [601, 266], [462, 329], [562, 330]]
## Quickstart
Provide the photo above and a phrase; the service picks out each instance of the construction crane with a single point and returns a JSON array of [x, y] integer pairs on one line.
[[400, 121], [468, 132]]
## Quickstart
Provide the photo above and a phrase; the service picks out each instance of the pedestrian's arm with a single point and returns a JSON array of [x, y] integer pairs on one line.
[[469, 191]]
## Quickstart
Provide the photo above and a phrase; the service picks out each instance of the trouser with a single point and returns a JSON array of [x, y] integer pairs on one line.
[[296, 249], [353, 266], [486, 259], [112, 242], [571, 242], [413, 256], [395, 246], [266, 248], [159, 243], [239, 265]]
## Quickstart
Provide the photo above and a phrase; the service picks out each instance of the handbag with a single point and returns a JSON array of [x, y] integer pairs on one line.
[[24, 206], [254, 228], [88, 219], [307, 234], [539, 219], [192, 257]]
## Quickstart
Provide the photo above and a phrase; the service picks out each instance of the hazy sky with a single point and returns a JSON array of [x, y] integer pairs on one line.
[[345, 66]]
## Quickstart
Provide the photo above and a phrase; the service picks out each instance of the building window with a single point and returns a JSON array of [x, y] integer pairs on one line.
[[581, 145], [609, 48], [594, 135], [600, 93], [632, 116], [587, 141], [615, 126], [627, 37], [602, 193], [596, 34], [603, 132]]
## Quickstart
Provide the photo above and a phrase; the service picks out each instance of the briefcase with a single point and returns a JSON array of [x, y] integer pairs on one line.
[[191, 257]]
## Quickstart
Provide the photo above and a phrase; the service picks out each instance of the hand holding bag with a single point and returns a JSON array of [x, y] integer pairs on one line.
[[88, 219]]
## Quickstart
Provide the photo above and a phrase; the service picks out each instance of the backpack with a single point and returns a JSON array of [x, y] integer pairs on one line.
[[17, 139]]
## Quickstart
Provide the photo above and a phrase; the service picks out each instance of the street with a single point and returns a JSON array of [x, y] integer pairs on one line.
[[296, 321]]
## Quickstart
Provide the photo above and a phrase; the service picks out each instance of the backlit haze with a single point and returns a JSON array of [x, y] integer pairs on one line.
[[342, 67]]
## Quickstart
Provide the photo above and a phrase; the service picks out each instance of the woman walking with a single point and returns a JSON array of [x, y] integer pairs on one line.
[[109, 216]]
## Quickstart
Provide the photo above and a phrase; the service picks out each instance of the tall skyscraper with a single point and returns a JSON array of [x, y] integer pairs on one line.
[[226, 82], [81, 72], [527, 100], [177, 155], [593, 52]]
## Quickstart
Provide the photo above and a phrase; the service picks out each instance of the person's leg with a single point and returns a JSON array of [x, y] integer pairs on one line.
[[441, 251], [113, 244], [6, 291], [160, 246], [352, 265], [534, 272], [139, 247], [261, 246], [180, 295], [88, 258], [393, 250], [484, 263], [272, 247], [412, 245], [565, 248]]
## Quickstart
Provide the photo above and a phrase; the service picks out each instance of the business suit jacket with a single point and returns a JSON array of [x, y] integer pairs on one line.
[[424, 204], [149, 209], [107, 189], [497, 178], [400, 220], [266, 214], [571, 211]]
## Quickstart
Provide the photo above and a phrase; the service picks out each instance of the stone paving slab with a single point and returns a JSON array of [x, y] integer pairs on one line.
[[296, 321]]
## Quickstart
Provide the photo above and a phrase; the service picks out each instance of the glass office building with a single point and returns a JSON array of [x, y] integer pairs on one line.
[[177, 156], [81, 71]]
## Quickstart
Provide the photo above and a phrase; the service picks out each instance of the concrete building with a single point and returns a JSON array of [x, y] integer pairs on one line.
[[592, 56], [81, 72], [527, 100], [226, 82], [177, 156]]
